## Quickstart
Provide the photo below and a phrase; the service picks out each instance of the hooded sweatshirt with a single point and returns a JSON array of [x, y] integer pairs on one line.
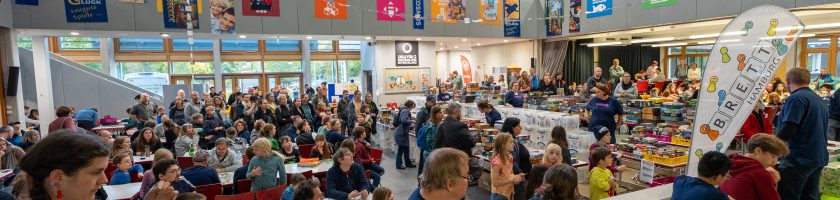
[[692, 188], [750, 180]]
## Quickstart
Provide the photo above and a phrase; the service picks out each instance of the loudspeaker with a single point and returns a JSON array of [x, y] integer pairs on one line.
[[12, 83], [533, 64]]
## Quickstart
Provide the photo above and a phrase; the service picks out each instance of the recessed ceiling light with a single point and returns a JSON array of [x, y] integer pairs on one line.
[[440, 49], [308, 37], [74, 33], [670, 44], [603, 44], [368, 38], [464, 40], [243, 36], [652, 40], [418, 39], [164, 35], [506, 40], [456, 47], [441, 43], [479, 44]]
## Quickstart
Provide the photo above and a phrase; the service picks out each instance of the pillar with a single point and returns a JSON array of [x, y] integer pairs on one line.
[[106, 56], [217, 62], [306, 66], [43, 80]]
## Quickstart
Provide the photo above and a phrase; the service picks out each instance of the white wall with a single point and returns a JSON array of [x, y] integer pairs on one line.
[[450, 60], [503, 55], [385, 58], [6, 13]]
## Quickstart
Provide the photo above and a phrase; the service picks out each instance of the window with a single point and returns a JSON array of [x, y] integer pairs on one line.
[[323, 71], [147, 75], [24, 42], [704, 49], [196, 68], [241, 67], [283, 66], [674, 50], [321, 46], [140, 44], [352, 70], [181, 44], [282, 45], [814, 43], [93, 65], [341, 71], [349, 45], [816, 61], [78, 43], [240, 45]]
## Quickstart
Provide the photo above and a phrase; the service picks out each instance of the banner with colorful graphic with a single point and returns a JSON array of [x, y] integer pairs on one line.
[[648, 4], [331, 9], [490, 10], [419, 15], [512, 18], [180, 14], [574, 16], [222, 16], [748, 52], [448, 11], [261, 8], [598, 8], [466, 69], [85, 11], [390, 10], [553, 17]]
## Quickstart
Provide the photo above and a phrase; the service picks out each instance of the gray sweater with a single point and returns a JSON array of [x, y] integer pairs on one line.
[[632, 92], [229, 163], [182, 144], [190, 109], [271, 166]]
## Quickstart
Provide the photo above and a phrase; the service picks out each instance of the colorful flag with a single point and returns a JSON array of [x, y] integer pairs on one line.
[[553, 17], [598, 8], [390, 10], [574, 16], [180, 14], [419, 15], [85, 11], [490, 10], [512, 18], [331, 9]]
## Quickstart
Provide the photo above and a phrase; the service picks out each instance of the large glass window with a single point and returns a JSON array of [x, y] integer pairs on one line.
[[816, 61], [342, 71], [283, 66], [349, 45], [182, 44], [703, 49], [93, 65], [352, 69], [323, 71], [282, 45], [78, 43], [147, 75], [141, 44], [190, 68], [321, 45], [814, 43], [240, 45], [674, 50], [24, 42], [241, 67]]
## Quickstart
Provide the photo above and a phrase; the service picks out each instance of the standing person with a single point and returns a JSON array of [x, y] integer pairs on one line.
[[546, 86], [521, 155], [682, 70], [552, 157], [616, 71], [491, 115], [502, 83], [65, 164], [601, 182], [535, 80], [309, 89], [711, 171], [177, 113], [514, 97], [595, 80], [825, 78], [502, 175], [308, 109], [604, 109], [265, 166], [456, 81], [193, 106], [321, 97], [802, 124], [354, 110], [435, 117], [756, 123], [143, 111], [626, 89], [560, 84], [452, 132], [87, 118], [283, 113], [448, 180], [423, 116], [694, 72], [834, 117], [401, 135], [752, 175], [64, 120], [213, 126], [373, 110], [345, 109]]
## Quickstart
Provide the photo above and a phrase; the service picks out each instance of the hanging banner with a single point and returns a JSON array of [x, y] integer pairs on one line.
[[466, 69], [574, 16], [133, 1], [331, 9], [553, 17], [160, 4], [269, 8], [419, 15], [27, 2], [390, 10], [179, 14], [490, 10], [448, 11], [648, 4], [407, 53], [745, 56], [223, 17], [598, 8], [85, 11], [512, 18]]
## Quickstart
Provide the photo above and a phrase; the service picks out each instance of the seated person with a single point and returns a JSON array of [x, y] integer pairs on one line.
[[296, 179], [752, 175], [308, 190], [333, 135], [712, 170], [240, 172], [287, 149], [222, 158], [199, 174], [361, 154], [346, 178], [125, 165], [323, 149], [168, 172], [447, 180]]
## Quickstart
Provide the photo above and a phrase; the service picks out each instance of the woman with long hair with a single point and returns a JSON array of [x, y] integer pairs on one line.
[[268, 132], [122, 145], [560, 183], [30, 139], [435, 117], [558, 137], [147, 144], [501, 170], [265, 166], [171, 134], [189, 137]]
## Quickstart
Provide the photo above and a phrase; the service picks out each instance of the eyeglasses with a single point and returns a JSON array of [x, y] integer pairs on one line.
[[468, 177]]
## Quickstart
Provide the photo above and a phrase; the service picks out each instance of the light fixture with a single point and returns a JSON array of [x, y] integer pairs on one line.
[[440, 49], [652, 40], [822, 26], [670, 44], [308, 37], [456, 47], [243, 36], [479, 44], [704, 36], [418, 39], [368, 38], [603, 44], [464, 40], [505, 41], [441, 43], [807, 35], [722, 41], [166, 35], [74, 33]]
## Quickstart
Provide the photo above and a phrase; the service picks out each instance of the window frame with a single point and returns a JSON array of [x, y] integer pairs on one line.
[[666, 68], [832, 51], [167, 46]]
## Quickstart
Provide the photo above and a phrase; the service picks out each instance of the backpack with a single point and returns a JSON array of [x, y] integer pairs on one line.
[[395, 119], [421, 137]]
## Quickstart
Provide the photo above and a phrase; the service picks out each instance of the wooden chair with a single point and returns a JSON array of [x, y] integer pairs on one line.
[[376, 154], [272, 193], [185, 162], [243, 196], [305, 150], [243, 186], [210, 191]]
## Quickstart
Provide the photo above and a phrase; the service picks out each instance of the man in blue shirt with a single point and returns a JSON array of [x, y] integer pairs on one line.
[[712, 170], [87, 118], [200, 174], [802, 123], [443, 96]]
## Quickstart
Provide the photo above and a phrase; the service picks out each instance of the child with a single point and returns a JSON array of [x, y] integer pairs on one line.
[[752, 174], [322, 150], [382, 193], [122, 145], [501, 172], [263, 168], [712, 170], [601, 182], [602, 134], [287, 149], [124, 167], [190, 196], [288, 194]]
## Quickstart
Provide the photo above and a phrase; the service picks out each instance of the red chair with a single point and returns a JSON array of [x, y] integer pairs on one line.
[[642, 86], [376, 154], [367, 174], [185, 162], [109, 171], [243, 186], [243, 196], [659, 85], [305, 150], [134, 178], [273, 193], [308, 174], [209, 191]]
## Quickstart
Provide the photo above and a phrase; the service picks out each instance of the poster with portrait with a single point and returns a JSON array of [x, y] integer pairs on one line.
[[180, 14], [574, 16], [598, 8], [512, 18], [222, 17], [553, 17], [390, 10], [79, 11], [331, 9], [269, 8], [490, 10]]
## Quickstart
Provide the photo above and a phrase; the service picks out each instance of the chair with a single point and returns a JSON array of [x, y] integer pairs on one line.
[[367, 174], [134, 178], [109, 171], [308, 174], [185, 162], [245, 159], [376, 154], [305, 150], [272, 193], [642, 86], [243, 186], [243, 196], [209, 191]]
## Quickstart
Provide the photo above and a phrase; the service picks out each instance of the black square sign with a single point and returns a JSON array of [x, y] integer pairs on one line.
[[407, 53]]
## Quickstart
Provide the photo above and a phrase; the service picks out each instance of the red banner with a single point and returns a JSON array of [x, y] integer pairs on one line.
[[465, 67]]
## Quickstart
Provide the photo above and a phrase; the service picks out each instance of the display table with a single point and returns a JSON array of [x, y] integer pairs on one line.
[[124, 191], [655, 193]]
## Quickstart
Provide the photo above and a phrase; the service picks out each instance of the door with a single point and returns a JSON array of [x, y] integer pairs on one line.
[[242, 82], [292, 82], [186, 80], [207, 81]]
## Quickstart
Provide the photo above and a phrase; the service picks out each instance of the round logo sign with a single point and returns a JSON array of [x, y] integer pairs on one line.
[[407, 48]]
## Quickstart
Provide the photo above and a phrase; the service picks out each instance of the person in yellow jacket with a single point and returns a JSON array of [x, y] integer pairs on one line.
[[601, 182]]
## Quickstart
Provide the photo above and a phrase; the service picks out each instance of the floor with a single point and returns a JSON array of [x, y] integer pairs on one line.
[[403, 182]]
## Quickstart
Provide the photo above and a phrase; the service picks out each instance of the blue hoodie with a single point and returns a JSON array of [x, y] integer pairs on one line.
[[692, 188]]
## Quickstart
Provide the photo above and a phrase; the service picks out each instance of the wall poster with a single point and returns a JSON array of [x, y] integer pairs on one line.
[[223, 16], [512, 18], [598, 8], [85, 11], [331, 9], [448, 11], [402, 80], [407, 53], [489, 10], [574, 16], [261, 8], [648, 4], [553, 17], [390, 10], [419, 14], [180, 14]]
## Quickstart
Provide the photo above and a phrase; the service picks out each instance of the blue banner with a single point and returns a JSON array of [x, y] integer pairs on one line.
[[512, 18], [85, 11], [418, 14], [598, 8], [27, 2]]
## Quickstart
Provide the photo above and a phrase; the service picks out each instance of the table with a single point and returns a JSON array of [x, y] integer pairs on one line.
[[115, 129], [124, 191], [6, 173], [655, 193], [325, 165], [143, 159], [659, 169]]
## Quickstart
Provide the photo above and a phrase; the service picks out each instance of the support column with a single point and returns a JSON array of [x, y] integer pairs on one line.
[[106, 56], [43, 80], [217, 62], [306, 64], [15, 58]]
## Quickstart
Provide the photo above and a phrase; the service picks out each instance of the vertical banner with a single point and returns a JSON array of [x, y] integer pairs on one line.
[[177, 14], [648, 4], [574, 16], [331, 9], [466, 68], [598, 8], [223, 17], [390, 10], [489, 10], [439, 12], [261, 8], [407, 53], [553, 17], [27, 2], [512, 18], [85, 11], [419, 14], [745, 56]]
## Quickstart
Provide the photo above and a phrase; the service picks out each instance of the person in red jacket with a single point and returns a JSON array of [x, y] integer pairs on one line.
[[757, 122], [752, 174], [361, 154]]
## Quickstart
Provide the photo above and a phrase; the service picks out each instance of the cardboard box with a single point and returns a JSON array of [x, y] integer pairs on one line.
[[484, 181]]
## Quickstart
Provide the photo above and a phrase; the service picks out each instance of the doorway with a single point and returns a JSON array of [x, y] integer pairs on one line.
[[291, 81]]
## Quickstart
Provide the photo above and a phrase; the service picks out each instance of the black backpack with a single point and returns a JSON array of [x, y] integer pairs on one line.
[[396, 118]]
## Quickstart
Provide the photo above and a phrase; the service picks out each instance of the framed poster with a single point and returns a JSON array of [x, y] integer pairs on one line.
[[331, 9], [553, 17], [180, 13], [261, 8], [407, 53], [490, 10], [574, 16], [598, 8], [404, 80], [648, 4], [85, 11], [223, 17], [390, 10]]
